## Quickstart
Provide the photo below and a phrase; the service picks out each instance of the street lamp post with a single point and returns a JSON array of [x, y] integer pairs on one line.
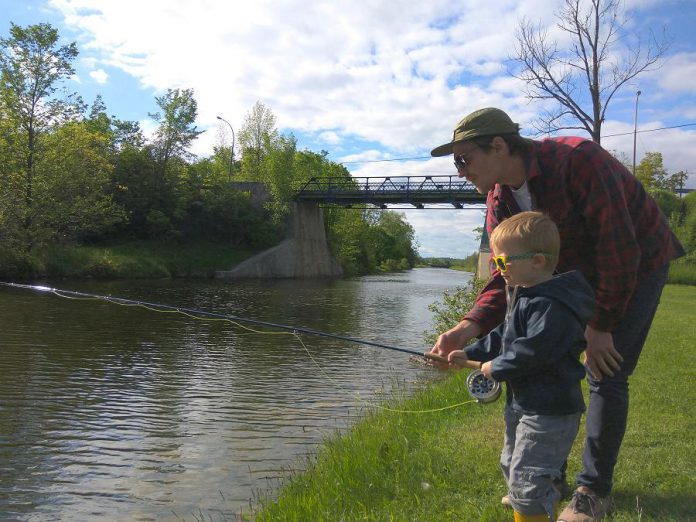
[[229, 176], [635, 131]]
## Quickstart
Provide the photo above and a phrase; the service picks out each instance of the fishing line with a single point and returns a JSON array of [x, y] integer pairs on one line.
[[479, 387]]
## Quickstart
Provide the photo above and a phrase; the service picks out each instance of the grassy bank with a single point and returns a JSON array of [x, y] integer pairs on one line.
[[683, 271], [138, 259], [444, 465]]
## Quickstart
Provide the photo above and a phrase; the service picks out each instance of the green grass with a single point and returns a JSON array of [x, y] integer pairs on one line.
[[683, 271], [139, 259], [444, 465]]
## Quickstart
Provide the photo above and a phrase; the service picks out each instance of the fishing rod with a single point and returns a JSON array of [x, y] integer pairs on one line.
[[480, 387]]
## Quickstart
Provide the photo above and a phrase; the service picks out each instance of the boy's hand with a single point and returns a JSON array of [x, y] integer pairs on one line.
[[486, 369], [457, 358]]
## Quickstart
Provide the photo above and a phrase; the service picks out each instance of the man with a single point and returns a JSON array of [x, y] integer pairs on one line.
[[611, 230]]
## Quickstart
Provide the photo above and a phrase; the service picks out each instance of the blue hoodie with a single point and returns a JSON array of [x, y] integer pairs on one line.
[[536, 349]]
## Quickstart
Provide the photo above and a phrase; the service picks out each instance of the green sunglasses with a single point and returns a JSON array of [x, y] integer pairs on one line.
[[500, 262]]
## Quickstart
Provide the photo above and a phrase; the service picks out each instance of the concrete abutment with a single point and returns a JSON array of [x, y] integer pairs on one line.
[[304, 254]]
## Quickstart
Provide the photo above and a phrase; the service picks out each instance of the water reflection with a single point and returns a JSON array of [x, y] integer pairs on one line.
[[112, 412]]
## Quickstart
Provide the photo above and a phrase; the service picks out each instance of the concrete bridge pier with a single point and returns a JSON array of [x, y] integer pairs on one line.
[[304, 254]]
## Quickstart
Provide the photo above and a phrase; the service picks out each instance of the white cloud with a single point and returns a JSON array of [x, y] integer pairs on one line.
[[445, 231], [330, 137], [678, 75], [397, 75], [99, 76], [365, 156]]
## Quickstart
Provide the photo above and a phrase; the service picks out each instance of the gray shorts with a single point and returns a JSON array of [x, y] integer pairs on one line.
[[535, 448]]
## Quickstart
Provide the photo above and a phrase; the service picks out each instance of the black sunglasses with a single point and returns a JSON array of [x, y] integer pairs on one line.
[[461, 162]]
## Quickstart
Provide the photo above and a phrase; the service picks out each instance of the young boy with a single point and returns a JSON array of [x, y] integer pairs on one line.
[[535, 351]]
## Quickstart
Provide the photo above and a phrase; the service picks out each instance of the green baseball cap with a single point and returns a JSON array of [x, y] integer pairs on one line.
[[483, 122]]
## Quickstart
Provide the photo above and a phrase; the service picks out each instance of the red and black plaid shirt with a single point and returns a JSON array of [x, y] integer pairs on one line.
[[611, 229]]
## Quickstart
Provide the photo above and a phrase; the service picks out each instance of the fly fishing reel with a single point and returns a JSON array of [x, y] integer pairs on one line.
[[482, 388]]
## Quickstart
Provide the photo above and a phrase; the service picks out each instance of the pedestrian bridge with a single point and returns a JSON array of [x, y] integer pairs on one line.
[[413, 190]]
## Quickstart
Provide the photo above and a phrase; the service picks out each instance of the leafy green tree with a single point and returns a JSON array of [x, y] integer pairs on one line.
[[393, 241], [71, 183], [651, 172], [32, 65], [349, 239], [12, 211], [677, 180], [454, 305], [672, 206], [174, 135], [279, 167], [686, 228], [176, 129], [97, 119], [127, 134], [133, 185], [257, 134], [653, 175]]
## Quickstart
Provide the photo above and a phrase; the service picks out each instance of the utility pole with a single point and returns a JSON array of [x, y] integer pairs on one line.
[[635, 131], [229, 175]]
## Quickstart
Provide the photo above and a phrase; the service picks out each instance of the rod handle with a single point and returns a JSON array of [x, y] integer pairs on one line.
[[474, 365]]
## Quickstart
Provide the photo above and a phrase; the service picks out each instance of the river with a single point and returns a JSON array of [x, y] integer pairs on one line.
[[112, 412]]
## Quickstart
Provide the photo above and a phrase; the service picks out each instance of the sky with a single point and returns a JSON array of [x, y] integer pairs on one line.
[[365, 81]]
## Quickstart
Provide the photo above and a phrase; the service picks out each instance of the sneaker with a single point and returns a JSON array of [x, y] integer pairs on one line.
[[585, 506], [560, 484]]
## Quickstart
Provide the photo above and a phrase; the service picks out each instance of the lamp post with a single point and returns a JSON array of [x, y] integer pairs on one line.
[[229, 176], [635, 130]]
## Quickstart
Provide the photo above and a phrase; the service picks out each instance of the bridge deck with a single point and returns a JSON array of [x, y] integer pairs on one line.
[[413, 190]]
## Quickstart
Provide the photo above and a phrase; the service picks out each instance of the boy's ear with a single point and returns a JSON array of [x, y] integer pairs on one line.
[[540, 261]]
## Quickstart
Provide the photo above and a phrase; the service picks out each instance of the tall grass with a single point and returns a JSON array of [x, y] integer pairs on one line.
[[683, 271], [138, 259], [444, 465]]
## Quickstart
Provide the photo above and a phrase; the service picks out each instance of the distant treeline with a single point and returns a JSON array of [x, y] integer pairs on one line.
[[71, 174], [468, 264]]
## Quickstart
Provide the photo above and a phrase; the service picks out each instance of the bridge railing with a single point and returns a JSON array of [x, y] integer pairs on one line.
[[403, 185]]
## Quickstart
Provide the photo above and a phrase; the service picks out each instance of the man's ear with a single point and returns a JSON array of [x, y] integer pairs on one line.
[[499, 145]]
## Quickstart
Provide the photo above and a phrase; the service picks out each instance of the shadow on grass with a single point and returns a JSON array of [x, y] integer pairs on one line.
[[649, 505]]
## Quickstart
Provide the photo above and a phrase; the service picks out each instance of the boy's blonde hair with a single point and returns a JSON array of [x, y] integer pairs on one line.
[[532, 231]]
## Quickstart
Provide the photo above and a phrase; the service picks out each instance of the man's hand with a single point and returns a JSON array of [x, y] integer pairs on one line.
[[601, 357], [455, 338]]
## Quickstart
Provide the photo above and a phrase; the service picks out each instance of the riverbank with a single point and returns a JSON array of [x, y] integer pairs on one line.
[[443, 465], [135, 260]]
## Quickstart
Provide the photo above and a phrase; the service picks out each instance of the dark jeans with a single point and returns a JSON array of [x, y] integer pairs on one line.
[[605, 422]]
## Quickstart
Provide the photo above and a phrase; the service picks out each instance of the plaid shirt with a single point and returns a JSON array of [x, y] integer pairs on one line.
[[611, 229]]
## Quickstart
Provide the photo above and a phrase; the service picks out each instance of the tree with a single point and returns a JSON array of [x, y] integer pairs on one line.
[[583, 78], [133, 185], [257, 133], [31, 67], [71, 184], [393, 241], [653, 175], [279, 176], [678, 179], [651, 172], [176, 129]]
